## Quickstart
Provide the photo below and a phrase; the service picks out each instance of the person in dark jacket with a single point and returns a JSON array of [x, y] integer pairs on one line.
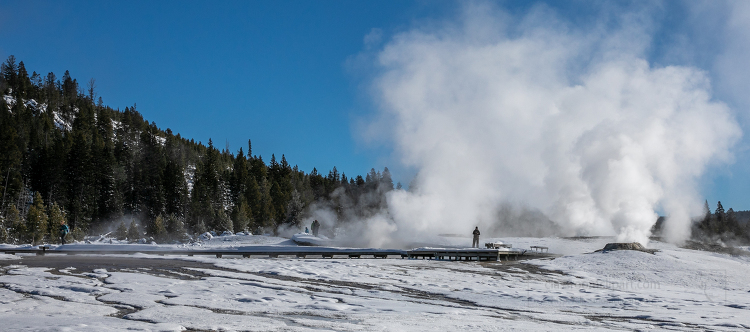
[[64, 230], [315, 227], [475, 243]]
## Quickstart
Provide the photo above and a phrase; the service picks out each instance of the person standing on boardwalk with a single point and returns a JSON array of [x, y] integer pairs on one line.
[[475, 243], [63, 231], [315, 227]]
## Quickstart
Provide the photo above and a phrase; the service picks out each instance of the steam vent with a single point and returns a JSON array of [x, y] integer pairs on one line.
[[626, 246]]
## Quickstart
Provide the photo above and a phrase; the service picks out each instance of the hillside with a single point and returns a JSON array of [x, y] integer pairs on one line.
[[67, 156]]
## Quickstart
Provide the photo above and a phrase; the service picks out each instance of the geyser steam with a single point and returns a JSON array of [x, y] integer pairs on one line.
[[574, 124]]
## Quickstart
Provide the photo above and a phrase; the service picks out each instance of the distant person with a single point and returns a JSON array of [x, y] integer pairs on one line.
[[307, 231], [315, 227], [475, 243], [64, 230]]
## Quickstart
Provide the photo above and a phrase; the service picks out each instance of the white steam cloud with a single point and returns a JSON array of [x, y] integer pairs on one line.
[[574, 124]]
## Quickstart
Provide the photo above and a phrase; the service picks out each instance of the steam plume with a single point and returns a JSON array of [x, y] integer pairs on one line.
[[575, 124]]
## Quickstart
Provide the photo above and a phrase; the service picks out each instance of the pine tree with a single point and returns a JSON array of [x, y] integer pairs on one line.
[[122, 231], [77, 234], [175, 189], [386, 182], [23, 84], [294, 210], [36, 221], [266, 215], [176, 228], [199, 227], [704, 226], [240, 216], [223, 222], [159, 229], [719, 225], [9, 71], [78, 173], [207, 195], [133, 233], [56, 219], [4, 235], [15, 224], [238, 185], [253, 198], [10, 162], [732, 224]]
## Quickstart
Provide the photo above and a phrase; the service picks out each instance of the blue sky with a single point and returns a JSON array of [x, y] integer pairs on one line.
[[271, 71], [289, 74]]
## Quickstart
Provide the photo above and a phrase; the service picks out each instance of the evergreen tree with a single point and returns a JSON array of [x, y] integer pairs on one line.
[[732, 224], [122, 231], [77, 181], [254, 202], [77, 234], [16, 225], [386, 182], [266, 215], [176, 228], [223, 222], [199, 227], [175, 189], [4, 235], [239, 177], [9, 71], [719, 222], [36, 221], [159, 229], [707, 222], [294, 210], [24, 86], [133, 233], [207, 195], [240, 216], [10, 162], [56, 218]]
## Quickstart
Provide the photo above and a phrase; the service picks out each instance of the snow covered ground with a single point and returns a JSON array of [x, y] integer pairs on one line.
[[674, 289]]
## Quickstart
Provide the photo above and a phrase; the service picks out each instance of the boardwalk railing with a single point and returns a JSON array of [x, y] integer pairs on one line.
[[465, 254], [299, 252]]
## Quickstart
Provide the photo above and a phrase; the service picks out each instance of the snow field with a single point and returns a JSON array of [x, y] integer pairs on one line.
[[675, 289]]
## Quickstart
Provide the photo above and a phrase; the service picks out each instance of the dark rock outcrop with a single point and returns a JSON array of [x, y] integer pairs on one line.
[[626, 246]]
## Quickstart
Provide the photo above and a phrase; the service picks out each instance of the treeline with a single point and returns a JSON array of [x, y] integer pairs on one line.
[[725, 226], [64, 155], [719, 226]]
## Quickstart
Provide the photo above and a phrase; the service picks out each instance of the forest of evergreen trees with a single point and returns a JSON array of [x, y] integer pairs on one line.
[[67, 156], [718, 227], [724, 226]]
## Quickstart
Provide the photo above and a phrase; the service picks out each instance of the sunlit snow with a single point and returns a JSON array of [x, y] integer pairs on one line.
[[676, 289]]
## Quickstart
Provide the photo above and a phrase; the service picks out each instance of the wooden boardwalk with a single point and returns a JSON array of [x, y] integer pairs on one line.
[[465, 254], [299, 252]]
